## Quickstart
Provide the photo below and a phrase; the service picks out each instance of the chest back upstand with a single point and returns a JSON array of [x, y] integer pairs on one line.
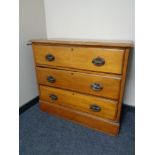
[[82, 81]]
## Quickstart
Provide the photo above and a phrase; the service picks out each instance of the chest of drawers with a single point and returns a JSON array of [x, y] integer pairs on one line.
[[82, 81]]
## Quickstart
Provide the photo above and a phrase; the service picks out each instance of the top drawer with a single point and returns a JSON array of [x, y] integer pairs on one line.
[[93, 59]]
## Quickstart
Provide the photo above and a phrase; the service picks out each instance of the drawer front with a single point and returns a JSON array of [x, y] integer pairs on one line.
[[89, 104], [94, 59], [99, 85]]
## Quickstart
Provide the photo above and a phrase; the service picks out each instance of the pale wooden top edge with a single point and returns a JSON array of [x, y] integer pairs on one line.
[[104, 43]]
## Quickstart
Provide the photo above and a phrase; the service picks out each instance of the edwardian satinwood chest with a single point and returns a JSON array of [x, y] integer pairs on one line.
[[82, 81]]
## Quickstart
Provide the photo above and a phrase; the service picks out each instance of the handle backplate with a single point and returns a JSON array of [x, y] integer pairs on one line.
[[51, 79], [49, 57], [96, 86], [53, 97], [95, 108], [98, 61]]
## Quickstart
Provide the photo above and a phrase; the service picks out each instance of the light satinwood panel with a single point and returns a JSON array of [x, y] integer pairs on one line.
[[80, 101], [81, 82], [81, 58]]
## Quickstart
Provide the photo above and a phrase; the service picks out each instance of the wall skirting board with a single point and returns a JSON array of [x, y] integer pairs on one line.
[[28, 105], [128, 108], [34, 101]]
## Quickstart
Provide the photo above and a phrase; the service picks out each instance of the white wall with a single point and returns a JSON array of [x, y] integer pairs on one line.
[[94, 19], [32, 25]]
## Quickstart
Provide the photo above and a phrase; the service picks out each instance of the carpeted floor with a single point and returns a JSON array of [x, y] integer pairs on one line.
[[43, 134]]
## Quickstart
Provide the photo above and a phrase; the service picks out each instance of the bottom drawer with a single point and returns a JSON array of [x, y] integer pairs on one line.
[[90, 104]]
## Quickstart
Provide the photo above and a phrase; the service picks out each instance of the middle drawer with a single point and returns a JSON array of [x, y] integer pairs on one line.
[[100, 85]]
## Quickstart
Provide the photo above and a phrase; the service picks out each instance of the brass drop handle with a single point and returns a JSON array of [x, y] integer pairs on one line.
[[95, 108], [98, 61], [49, 57], [51, 79], [96, 86], [53, 97]]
